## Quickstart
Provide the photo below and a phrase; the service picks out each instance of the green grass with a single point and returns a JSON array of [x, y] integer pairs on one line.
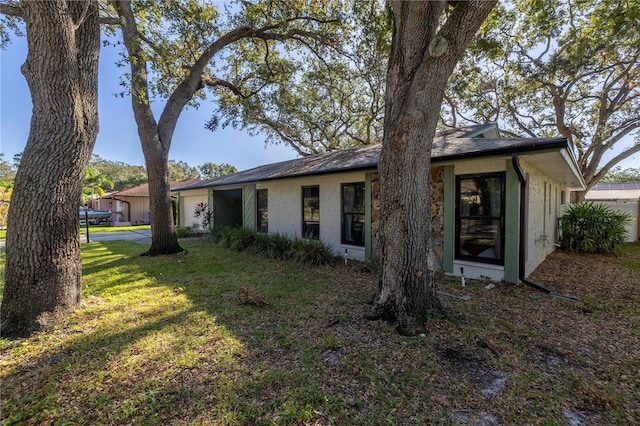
[[162, 340], [631, 258]]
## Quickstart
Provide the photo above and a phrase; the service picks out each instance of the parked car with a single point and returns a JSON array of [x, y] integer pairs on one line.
[[96, 217]]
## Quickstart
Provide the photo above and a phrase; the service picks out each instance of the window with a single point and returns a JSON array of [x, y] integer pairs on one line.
[[262, 210], [479, 218], [311, 212], [353, 213]]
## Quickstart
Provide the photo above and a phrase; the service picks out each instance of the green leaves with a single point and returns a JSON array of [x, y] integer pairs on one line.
[[565, 68], [212, 170], [590, 227], [304, 72], [95, 183], [316, 98]]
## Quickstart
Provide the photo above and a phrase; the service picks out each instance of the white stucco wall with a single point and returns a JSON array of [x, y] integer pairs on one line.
[[188, 201], [544, 208], [285, 208]]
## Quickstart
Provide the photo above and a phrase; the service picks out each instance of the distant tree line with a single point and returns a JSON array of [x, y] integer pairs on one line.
[[125, 176], [107, 175], [122, 175]]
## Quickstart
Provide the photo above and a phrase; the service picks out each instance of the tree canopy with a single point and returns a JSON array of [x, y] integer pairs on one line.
[[212, 170], [122, 175], [176, 49], [95, 184], [329, 98], [620, 175], [567, 67]]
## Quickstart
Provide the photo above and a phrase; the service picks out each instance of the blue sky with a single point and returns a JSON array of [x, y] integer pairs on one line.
[[118, 137]]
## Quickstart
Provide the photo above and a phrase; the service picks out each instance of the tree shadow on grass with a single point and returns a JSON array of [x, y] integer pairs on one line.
[[141, 372], [165, 339]]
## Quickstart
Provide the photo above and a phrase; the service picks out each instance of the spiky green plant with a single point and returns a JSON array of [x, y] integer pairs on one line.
[[590, 227]]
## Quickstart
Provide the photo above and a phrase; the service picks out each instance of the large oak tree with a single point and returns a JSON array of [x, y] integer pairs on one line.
[[177, 49], [43, 267], [565, 68], [429, 37]]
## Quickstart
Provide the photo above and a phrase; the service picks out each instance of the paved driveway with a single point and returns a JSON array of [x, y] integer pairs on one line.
[[141, 237]]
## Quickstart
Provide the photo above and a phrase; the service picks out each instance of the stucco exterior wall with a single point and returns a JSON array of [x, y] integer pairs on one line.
[[285, 208], [613, 194], [544, 207], [187, 205]]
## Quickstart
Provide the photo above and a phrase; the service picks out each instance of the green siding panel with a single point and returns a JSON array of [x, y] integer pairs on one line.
[[249, 204], [511, 225], [448, 221], [211, 209]]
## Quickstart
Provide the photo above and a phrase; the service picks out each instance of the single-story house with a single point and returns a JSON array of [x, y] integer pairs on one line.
[[131, 206], [623, 197], [495, 201]]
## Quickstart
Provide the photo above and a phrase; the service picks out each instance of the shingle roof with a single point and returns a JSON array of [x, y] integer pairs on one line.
[[143, 190], [447, 146]]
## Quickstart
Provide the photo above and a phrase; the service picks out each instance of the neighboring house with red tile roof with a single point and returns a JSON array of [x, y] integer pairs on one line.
[[132, 205]]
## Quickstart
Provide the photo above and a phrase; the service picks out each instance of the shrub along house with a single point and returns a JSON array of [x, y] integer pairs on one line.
[[495, 201]]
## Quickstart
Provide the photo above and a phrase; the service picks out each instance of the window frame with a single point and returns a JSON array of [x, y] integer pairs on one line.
[[343, 215], [459, 218], [304, 222]]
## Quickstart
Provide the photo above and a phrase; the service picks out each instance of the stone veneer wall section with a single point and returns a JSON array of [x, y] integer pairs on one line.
[[436, 210]]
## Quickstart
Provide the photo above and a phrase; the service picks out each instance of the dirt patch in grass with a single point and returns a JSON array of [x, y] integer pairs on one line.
[[169, 341]]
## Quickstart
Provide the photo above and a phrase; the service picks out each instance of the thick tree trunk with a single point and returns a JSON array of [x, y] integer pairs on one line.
[[420, 63], [155, 139], [43, 269], [164, 239]]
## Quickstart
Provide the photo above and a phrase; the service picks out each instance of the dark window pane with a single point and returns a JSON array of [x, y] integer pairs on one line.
[[311, 212], [480, 238], [480, 197], [263, 210], [479, 218], [353, 213]]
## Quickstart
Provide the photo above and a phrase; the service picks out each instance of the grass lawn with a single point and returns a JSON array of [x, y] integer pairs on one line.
[[168, 341]]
